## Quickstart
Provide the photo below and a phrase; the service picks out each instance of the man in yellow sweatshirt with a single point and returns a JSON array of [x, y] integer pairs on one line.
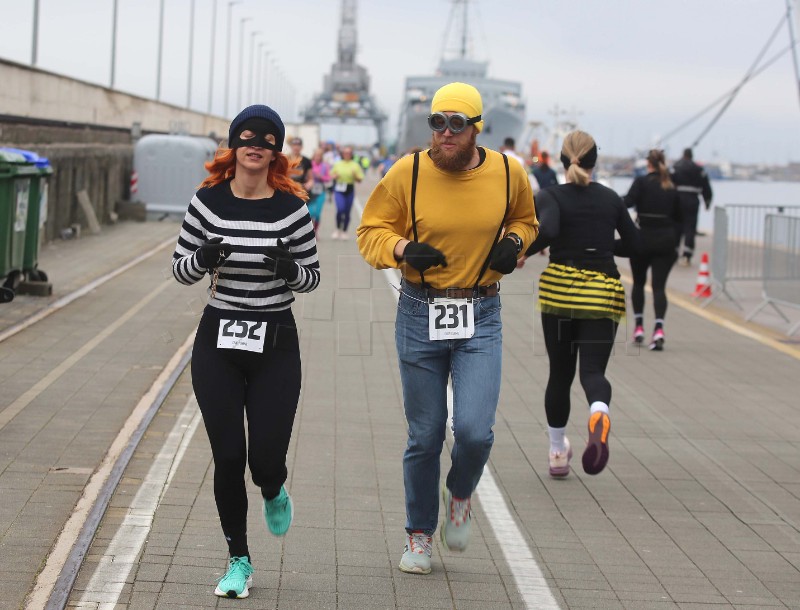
[[454, 219]]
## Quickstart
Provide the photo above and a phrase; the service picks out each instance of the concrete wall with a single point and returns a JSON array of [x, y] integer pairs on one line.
[[103, 170], [85, 132], [30, 92]]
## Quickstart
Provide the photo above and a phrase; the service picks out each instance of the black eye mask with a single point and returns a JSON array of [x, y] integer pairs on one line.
[[260, 127]]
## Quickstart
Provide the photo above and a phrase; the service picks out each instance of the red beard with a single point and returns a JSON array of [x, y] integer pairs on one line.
[[454, 161]]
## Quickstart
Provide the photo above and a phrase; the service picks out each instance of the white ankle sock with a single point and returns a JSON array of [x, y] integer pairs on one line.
[[557, 439], [598, 406]]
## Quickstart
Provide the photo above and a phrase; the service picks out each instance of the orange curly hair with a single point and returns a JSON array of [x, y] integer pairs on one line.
[[223, 167]]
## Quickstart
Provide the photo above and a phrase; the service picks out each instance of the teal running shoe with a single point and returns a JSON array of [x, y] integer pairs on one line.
[[278, 513], [457, 521], [237, 580]]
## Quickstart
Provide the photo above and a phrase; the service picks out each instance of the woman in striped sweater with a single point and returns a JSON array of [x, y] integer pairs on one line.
[[249, 229], [580, 296]]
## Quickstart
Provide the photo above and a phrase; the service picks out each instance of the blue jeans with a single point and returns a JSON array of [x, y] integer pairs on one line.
[[425, 366]]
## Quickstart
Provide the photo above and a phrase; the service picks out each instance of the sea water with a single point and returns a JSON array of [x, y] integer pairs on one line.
[[729, 192]]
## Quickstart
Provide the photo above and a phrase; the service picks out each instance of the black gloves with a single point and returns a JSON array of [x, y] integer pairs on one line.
[[213, 253], [422, 256], [280, 261], [504, 256]]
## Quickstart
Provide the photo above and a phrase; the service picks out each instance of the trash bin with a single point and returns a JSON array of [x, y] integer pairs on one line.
[[16, 175], [37, 213]]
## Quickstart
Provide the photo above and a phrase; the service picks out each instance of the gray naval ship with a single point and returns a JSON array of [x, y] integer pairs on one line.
[[503, 106]]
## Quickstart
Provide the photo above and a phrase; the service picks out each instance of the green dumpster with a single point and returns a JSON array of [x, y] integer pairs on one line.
[[37, 213], [16, 175]]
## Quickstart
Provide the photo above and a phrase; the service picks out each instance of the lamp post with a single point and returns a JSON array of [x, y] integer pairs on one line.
[[265, 88], [279, 87], [228, 56], [191, 55], [258, 73], [213, 50], [242, 21], [113, 43], [160, 49], [251, 78], [35, 36]]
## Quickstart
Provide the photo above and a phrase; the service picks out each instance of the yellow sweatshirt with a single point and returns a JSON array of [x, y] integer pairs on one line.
[[457, 212]]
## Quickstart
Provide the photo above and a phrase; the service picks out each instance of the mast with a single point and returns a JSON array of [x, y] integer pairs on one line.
[[464, 29], [793, 41]]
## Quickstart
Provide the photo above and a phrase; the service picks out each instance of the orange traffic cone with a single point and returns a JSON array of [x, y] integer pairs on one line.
[[703, 288]]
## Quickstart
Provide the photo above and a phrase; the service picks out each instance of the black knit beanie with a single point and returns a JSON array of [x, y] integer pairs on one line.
[[259, 111]]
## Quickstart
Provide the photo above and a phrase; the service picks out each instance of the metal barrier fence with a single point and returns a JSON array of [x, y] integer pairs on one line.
[[781, 272], [738, 247]]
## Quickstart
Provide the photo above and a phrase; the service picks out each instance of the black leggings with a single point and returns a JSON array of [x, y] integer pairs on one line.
[[266, 386], [661, 266], [566, 339], [690, 208]]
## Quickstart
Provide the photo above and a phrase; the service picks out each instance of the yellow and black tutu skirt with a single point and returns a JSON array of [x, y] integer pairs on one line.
[[580, 293]]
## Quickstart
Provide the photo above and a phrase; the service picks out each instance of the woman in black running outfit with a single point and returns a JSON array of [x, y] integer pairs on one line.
[[580, 296], [658, 209], [249, 228]]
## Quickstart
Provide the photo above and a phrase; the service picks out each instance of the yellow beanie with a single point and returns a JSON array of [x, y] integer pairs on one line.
[[459, 97]]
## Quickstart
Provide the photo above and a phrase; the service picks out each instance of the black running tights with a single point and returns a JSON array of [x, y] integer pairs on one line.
[[266, 387], [661, 265], [566, 340]]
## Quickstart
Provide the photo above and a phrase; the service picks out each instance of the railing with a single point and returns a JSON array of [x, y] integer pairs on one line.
[[781, 267], [738, 248]]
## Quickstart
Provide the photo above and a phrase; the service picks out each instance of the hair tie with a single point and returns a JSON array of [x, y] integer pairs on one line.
[[588, 160]]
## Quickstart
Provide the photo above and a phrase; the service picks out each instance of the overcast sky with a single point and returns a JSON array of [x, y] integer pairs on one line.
[[630, 70]]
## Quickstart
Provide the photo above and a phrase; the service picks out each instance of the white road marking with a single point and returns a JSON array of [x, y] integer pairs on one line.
[[68, 298], [58, 556], [123, 551], [12, 410], [528, 576]]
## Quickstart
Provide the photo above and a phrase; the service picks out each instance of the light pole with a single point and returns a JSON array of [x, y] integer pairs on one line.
[[35, 37], [113, 43], [191, 55], [279, 83], [259, 73], [213, 50], [250, 68], [228, 57], [242, 21], [160, 49], [265, 88]]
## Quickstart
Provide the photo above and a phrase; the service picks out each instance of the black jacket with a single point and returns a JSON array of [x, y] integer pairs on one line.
[[692, 180], [658, 212]]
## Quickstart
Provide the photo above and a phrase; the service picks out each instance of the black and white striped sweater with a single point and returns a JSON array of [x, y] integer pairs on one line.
[[249, 225]]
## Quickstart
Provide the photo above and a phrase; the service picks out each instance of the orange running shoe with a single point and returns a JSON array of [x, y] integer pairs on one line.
[[595, 456]]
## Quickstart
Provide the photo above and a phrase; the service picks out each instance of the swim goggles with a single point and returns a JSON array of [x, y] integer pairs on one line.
[[456, 122]]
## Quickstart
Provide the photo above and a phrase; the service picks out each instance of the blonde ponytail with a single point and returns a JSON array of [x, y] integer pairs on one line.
[[576, 145], [659, 163]]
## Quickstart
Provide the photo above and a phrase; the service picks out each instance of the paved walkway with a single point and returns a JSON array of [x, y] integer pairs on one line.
[[699, 507]]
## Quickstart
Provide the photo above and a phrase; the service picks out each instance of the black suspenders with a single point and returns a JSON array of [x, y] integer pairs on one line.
[[415, 176]]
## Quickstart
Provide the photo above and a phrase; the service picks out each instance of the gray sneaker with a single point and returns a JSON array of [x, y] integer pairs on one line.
[[416, 557], [457, 521]]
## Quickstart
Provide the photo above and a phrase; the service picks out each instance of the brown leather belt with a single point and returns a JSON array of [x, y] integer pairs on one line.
[[457, 293]]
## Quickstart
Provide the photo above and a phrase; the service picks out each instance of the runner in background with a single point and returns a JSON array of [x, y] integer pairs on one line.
[[345, 173], [320, 171], [301, 172], [691, 181], [659, 215]]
